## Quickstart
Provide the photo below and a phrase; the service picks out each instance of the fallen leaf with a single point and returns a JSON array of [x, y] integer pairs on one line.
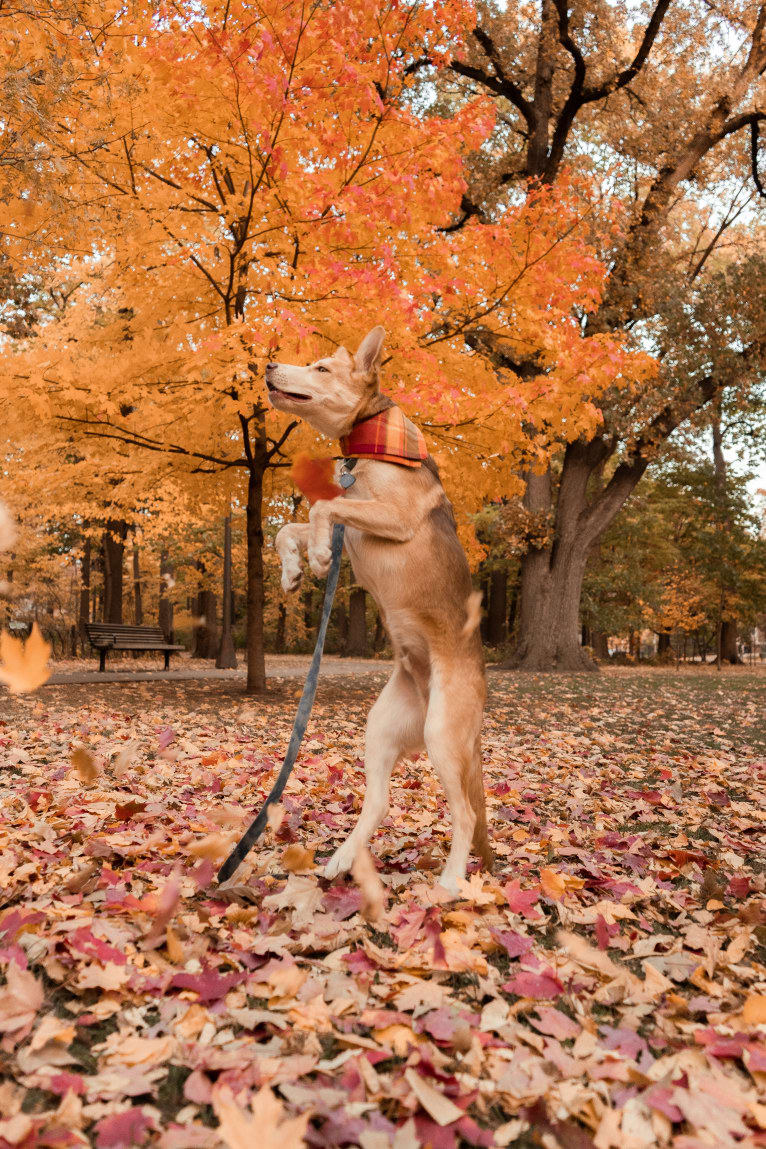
[[296, 859], [440, 1108], [265, 1126]]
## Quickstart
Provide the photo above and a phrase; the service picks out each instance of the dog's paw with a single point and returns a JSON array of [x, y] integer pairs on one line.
[[340, 863], [320, 558], [292, 576], [450, 882]]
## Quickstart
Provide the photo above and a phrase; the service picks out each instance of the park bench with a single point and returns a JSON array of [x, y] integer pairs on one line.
[[106, 636]]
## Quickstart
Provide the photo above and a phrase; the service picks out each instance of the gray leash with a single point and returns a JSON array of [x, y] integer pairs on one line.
[[256, 828]]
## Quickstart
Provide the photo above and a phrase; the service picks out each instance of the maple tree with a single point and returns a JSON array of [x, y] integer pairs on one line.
[[661, 106]]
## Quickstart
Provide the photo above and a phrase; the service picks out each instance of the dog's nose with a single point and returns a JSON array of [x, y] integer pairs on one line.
[[271, 366]]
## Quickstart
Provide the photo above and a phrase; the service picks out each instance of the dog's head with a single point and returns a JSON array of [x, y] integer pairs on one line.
[[332, 393]]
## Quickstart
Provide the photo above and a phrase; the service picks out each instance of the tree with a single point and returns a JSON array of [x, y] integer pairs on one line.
[[656, 109]]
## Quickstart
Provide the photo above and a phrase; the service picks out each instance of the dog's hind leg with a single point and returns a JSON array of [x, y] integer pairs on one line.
[[452, 732], [394, 728]]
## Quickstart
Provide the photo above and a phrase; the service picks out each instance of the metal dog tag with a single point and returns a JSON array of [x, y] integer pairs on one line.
[[346, 480]]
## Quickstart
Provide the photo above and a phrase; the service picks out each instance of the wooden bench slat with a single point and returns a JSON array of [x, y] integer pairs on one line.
[[106, 636]]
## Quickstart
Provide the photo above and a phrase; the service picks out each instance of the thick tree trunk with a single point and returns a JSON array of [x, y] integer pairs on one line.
[[165, 610], [599, 645], [548, 635], [114, 556], [356, 645], [498, 594], [138, 606], [729, 652], [548, 631], [256, 657]]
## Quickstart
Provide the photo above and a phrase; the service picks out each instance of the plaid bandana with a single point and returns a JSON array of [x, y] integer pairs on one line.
[[388, 436]]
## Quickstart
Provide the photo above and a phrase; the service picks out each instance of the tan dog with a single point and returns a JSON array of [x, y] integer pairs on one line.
[[400, 536]]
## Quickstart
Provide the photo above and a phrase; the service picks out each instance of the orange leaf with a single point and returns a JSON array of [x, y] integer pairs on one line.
[[313, 476], [552, 884], [295, 859], [24, 664]]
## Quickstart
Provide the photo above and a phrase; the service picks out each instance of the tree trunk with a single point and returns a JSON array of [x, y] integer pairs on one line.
[[138, 607], [663, 642], [280, 637], [340, 621], [600, 645], [308, 610], [84, 611], [256, 657], [729, 652], [498, 594], [356, 646], [226, 659], [379, 637], [548, 634], [727, 627], [114, 555], [205, 644], [165, 609]]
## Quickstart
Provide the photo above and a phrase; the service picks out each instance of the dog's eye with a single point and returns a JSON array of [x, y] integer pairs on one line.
[[319, 367]]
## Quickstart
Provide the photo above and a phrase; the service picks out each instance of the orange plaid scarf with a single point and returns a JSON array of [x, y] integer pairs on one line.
[[388, 436]]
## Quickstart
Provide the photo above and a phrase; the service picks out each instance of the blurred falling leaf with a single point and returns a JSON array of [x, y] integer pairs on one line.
[[24, 665], [85, 765]]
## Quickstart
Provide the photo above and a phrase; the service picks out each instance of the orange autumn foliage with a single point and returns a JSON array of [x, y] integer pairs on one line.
[[313, 476]]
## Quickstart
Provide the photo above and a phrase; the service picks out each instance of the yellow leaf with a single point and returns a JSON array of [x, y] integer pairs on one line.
[[754, 1009], [24, 664]]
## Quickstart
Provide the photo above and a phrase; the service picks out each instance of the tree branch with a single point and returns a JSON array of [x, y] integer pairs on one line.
[[498, 83]]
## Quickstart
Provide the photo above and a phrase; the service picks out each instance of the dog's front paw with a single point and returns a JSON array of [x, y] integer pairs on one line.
[[320, 558], [341, 861], [292, 575]]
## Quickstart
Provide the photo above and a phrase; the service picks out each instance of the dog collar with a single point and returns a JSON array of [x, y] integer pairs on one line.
[[346, 479], [389, 437]]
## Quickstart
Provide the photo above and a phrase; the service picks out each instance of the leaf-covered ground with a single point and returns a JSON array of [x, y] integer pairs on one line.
[[605, 986]]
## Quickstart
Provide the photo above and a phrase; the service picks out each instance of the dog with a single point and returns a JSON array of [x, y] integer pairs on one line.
[[401, 538]]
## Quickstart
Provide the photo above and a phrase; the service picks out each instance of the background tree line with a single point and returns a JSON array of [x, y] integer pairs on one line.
[[558, 212]]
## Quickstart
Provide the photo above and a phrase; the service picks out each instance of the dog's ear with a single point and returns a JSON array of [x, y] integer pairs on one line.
[[341, 353], [368, 357]]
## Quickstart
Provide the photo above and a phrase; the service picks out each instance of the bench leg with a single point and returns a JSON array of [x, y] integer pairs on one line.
[[102, 659], [167, 659]]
